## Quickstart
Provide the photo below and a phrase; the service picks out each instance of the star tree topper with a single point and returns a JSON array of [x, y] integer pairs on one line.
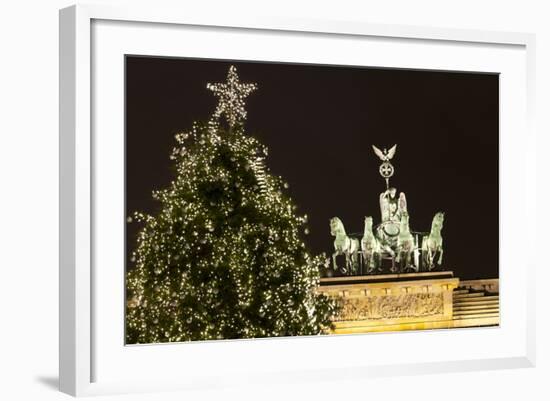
[[231, 96]]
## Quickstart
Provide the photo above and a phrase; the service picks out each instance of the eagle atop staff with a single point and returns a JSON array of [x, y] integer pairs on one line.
[[385, 155]]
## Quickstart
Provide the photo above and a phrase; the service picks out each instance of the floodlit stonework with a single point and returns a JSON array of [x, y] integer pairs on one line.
[[411, 301]]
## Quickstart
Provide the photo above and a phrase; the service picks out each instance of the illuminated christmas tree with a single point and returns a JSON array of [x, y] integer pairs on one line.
[[224, 256]]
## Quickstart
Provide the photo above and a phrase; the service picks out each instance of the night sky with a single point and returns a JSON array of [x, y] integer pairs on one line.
[[319, 123]]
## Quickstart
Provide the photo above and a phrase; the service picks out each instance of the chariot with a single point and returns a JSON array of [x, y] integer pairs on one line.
[[392, 239]]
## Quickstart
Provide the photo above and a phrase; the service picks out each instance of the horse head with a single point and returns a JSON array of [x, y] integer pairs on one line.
[[437, 222], [368, 224], [404, 220], [336, 226]]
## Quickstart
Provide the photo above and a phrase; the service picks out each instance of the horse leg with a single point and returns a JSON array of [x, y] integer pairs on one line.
[[440, 260], [368, 263], [425, 259], [372, 262], [405, 263], [334, 260], [347, 261]]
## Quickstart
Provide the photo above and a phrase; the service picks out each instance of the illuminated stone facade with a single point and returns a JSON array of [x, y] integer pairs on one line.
[[413, 301]]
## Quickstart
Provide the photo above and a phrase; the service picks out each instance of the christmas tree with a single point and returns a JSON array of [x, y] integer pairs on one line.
[[224, 256]]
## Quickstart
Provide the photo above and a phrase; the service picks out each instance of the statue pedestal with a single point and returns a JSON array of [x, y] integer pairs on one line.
[[392, 302]]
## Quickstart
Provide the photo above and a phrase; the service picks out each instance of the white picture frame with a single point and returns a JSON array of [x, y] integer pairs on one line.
[[88, 366]]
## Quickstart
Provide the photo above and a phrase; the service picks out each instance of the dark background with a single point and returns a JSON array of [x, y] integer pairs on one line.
[[319, 123]]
